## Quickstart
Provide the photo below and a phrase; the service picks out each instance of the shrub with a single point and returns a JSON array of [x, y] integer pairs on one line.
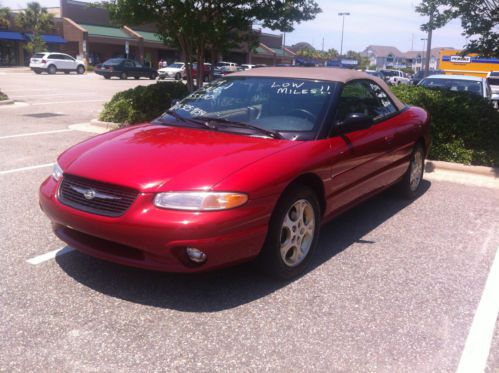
[[465, 127], [142, 103], [3, 96]]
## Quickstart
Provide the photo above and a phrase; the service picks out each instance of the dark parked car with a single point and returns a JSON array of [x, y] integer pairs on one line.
[[247, 167], [124, 68], [420, 75]]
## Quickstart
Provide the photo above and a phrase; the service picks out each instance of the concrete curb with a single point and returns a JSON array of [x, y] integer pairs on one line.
[[6, 102], [432, 166], [107, 125]]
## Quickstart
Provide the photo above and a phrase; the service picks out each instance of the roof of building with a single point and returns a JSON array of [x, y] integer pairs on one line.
[[383, 50], [318, 73]]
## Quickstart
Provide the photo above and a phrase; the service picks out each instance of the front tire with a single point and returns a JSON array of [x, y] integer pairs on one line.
[[80, 70], [178, 76], [293, 234], [411, 182], [123, 76]]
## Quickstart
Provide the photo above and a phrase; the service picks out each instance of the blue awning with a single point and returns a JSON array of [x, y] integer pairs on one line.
[[53, 39], [11, 35], [49, 39]]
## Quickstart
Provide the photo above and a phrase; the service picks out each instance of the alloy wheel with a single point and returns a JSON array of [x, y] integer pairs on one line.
[[297, 232]]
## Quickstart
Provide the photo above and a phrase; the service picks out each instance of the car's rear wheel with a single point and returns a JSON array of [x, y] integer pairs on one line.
[[37, 71], [80, 69], [66, 72], [293, 233], [411, 181], [107, 77], [136, 77], [123, 76], [152, 76], [178, 76], [52, 69]]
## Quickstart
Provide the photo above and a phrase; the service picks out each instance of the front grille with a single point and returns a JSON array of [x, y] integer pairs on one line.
[[95, 197]]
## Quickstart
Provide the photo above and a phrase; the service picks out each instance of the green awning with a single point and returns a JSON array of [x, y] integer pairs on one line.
[[108, 32], [280, 52], [260, 50], [149, 36]]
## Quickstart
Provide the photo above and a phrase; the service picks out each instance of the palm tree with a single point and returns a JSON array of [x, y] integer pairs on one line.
[[36, 20], [4, 17]]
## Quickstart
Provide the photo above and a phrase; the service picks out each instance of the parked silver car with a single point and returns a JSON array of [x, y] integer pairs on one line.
[[52, 62]]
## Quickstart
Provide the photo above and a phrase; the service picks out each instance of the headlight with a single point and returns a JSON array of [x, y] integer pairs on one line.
[[56, 171], [200, 201]]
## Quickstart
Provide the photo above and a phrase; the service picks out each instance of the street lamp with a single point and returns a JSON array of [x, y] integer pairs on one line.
[[343, 14], [424, 48]]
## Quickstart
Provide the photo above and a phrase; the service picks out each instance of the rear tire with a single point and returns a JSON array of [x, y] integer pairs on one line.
[[410, 184], [123, 76], [38, 71], [52, 69], [152, 76], [107, 77], [80, 70], [178, 76], [293, 234]]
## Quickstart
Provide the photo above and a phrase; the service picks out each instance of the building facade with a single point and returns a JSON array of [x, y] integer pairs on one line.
[[387, 57], [85, 31]]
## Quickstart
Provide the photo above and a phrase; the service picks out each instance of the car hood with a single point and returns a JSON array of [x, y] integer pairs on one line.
[[153, 158]]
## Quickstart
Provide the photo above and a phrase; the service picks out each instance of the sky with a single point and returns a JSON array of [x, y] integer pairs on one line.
[[371, 22]]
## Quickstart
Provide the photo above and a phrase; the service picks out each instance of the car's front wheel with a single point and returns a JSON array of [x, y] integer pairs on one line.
[[293, 233], [178, 76], [123, 76], [411, 181], [80, 69]]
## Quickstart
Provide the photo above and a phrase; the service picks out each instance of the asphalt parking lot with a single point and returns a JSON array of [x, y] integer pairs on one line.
[[397, 286]]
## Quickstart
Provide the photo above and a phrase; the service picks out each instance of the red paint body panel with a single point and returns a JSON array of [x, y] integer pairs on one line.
[[154, 158]]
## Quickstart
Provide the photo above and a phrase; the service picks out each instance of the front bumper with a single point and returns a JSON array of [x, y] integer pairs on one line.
[[149, 237]]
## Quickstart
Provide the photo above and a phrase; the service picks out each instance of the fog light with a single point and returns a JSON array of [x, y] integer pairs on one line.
[[195, 255]]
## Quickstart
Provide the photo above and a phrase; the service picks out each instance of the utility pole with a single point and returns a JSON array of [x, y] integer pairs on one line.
[[428, 47], [343, 14]]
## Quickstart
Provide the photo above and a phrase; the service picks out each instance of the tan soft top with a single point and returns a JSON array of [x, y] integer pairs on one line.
[[319, 73]]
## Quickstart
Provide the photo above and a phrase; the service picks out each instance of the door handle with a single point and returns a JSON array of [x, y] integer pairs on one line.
[[389, 139]]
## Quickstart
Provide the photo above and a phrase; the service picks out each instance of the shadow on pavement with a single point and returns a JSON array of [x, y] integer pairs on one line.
[[228, 288]]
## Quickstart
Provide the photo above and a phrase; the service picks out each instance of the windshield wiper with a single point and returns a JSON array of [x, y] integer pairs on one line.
[[268, 133], [180, 118]]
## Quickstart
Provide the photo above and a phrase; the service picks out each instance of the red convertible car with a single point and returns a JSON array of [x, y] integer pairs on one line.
[[248, 167]]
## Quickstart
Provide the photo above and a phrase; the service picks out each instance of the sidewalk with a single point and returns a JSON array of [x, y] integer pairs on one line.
[[14, 69]]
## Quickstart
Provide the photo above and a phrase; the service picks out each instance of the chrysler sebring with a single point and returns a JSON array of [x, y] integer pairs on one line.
[[247, 168]]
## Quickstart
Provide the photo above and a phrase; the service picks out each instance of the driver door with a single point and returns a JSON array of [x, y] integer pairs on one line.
[[361, 158]]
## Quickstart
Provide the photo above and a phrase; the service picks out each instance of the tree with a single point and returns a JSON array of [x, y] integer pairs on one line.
[[200, 24], [4, 17], [35, 20], [479, 19]]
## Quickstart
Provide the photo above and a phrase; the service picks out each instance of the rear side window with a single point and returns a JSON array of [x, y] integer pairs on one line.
[[55, 57], [364, 97]]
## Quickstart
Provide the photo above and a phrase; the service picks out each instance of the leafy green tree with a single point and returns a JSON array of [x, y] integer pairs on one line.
[[200, 24], [36, 20], [4, 17], [479, 19]]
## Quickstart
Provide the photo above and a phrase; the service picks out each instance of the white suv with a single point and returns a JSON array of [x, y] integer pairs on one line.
[[51, 62]]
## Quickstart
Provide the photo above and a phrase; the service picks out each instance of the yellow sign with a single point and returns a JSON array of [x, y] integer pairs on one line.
[[452, 63]]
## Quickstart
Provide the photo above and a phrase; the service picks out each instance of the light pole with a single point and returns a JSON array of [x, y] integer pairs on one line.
[[343, 14], [424, 47]]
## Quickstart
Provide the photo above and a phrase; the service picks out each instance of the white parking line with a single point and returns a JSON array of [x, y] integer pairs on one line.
[[52, 94], [35, 133], [50, 255], [477, 347], [66, 102], [26, 168]]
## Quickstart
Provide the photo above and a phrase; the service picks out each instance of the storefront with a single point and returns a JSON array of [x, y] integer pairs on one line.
[[11, 46]]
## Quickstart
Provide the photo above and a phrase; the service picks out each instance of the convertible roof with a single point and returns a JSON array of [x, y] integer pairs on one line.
[[319, 73]]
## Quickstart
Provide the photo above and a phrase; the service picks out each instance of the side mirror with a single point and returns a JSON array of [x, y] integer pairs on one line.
[[355, 122]]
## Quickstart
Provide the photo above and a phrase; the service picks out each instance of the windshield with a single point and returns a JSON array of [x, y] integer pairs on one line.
[[114, 61], [456, 85], [177, 65], [493, 80], [295, 108]]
